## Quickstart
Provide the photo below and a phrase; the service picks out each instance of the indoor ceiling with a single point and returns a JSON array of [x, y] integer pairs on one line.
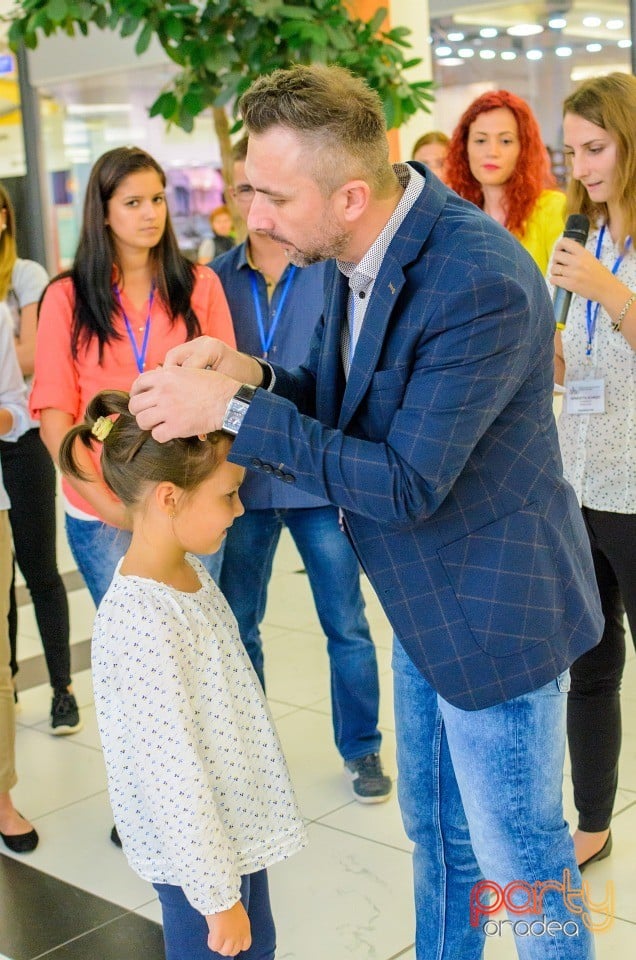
[[471, 41]]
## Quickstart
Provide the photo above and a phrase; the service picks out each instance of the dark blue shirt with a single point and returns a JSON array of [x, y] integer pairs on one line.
[[301, 311]]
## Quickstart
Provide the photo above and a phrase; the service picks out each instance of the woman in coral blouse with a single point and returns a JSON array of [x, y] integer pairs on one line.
[[497, 159], [129, 297]]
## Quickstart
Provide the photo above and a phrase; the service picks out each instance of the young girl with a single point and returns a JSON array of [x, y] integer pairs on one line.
[[595, 354], [128, 298], [197, 780]]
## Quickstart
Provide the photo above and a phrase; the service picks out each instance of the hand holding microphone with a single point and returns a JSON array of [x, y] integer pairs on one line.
[[577, 228]]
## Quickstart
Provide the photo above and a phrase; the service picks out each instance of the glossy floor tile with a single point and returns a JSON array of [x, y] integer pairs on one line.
[[348, 896]]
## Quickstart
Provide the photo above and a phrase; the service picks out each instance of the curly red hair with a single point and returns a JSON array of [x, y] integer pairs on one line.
[[532, 172]]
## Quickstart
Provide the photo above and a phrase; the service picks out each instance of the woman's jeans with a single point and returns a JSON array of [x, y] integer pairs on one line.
[[488, 781], [29, 478], [185, 930], [97, 548]]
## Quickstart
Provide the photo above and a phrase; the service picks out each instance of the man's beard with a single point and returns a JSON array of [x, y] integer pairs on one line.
[[329, 246]]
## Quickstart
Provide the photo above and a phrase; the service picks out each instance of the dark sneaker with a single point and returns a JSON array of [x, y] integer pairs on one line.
[[114, 837], [65, 716], [368, 781]]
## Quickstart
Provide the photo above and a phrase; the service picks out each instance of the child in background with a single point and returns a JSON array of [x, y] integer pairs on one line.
[[197, 780]]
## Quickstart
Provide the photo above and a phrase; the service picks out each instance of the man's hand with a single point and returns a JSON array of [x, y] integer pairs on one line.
[[208, 352], [181, 402], [229, 931]]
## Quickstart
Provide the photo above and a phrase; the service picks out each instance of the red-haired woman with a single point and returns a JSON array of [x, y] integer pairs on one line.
[[497, 160]]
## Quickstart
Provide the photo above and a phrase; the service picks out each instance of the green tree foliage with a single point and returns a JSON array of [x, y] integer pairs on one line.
[[221, 46]]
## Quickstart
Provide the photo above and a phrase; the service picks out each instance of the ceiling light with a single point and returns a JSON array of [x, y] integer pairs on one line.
[[525, 30], [487, 54], [508, 55], [563, 51], [614, 24], [452, 62], [455, 37], [488, 32], [80, 109], [594, 47], [591, 21], [624, 43], [534, 54], [557, 23], [466, 52], [443, 51]]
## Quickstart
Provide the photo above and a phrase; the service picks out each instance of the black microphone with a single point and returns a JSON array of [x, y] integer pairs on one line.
[[577, 227]]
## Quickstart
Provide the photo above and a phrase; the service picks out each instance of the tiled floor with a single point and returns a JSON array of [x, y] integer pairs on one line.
[[346, 897]]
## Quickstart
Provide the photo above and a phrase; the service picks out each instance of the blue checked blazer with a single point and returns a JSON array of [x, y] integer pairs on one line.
[[441, 449]]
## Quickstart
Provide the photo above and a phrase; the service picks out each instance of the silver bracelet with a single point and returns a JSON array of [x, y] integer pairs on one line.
[[616, 326]]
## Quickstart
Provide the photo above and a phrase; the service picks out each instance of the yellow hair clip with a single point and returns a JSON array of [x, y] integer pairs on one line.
[[101, 428]]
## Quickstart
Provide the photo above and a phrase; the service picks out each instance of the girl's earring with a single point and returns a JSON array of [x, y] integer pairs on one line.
[[172, 515]]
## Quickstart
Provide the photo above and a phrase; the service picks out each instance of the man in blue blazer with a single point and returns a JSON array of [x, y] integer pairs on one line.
[[424, 412]]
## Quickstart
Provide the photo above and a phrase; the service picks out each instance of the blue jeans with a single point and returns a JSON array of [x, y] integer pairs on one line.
[[334, 577], [97, 548], [185, 930], [488, 781]]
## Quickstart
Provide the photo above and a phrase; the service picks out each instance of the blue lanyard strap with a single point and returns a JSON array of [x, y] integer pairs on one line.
[[140, 355], [592, 311], [267, 338]]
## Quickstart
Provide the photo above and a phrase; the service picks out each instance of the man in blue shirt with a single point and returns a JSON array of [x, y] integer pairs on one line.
[[275, 307]]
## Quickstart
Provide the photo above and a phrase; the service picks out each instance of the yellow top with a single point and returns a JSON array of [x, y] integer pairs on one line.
[[543, 227]]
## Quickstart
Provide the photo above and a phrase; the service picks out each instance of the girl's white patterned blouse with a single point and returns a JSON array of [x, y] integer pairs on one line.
[[196, 776], [599, 450]]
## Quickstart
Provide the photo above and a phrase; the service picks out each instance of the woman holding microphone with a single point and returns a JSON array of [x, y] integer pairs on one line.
[[596, 362]]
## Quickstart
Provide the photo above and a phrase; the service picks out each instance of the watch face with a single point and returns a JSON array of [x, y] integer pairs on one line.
[[234, 415]]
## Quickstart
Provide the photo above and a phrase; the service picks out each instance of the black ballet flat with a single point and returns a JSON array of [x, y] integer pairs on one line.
[[601, 854], [21, 842]]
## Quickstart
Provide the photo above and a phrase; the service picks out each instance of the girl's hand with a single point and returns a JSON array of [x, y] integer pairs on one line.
[[229, 931], [576, 269]]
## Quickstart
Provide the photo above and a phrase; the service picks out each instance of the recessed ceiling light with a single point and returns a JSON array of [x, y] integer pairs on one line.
[[614, 24], [557, 23], [455, 37], [508, 55], [594, 47], [624, 43], [534, 54], [488, 32], [487, 54], [563, 51], [466, 52], [443, 51], [525, 30], [591, 21]]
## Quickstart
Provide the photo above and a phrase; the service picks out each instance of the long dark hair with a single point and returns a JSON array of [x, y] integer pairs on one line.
[[92, 271], [131, 458]]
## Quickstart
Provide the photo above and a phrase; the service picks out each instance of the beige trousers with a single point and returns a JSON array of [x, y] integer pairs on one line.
[[7, 708]]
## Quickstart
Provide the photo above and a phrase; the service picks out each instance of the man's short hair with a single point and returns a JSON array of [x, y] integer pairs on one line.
[[336, 114], [239, 150]]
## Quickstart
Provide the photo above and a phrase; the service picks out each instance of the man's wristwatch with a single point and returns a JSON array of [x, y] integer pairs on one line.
[[237, 408]]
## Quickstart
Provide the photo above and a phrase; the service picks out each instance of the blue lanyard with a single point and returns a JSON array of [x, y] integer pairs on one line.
[[268, 338], [592, 315], [140, 355]]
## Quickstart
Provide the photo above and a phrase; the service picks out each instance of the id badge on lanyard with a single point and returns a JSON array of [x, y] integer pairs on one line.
[[585, 387], [585, 391]]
